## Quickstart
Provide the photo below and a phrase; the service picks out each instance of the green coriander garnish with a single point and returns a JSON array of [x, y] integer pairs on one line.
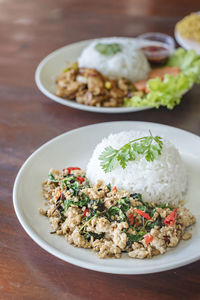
[[108, 49], [149, 146]]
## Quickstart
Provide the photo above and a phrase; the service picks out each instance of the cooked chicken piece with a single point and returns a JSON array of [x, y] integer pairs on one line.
[[111, 103], [83, 97], [67, 76], [82, 79], [87, 98], [71, 75], [97, 100], [124, 84], [116, 93], [95, 85], [86, 72], [70, 88]]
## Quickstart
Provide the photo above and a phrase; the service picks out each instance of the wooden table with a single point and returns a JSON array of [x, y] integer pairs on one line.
[[29, 30]]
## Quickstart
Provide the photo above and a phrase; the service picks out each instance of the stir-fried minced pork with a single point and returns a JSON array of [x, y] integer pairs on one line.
[[111, 221]]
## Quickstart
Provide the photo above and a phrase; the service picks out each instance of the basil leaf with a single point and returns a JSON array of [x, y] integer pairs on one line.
[[52, 178]]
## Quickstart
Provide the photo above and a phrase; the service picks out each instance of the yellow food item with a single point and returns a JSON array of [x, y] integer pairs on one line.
[[108, 85], [189, 27]]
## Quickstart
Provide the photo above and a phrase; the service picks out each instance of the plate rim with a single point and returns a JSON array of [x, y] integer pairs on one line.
[[74, 104], [185, 43], [75, 261]]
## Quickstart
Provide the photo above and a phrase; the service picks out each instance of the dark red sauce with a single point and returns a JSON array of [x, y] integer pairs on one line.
[[156, 54]]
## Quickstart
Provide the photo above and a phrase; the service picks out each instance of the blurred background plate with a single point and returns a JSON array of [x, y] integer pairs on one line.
[[51, 66], [187, 44]]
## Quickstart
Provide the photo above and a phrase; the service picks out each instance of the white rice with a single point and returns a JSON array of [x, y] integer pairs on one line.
[[130, 63], [163, 181]]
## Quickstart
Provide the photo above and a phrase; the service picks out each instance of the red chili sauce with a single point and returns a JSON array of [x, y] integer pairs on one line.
[[156, 54]]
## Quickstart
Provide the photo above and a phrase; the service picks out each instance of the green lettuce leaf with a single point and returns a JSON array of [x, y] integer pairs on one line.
[[188, 62], [169, 91]]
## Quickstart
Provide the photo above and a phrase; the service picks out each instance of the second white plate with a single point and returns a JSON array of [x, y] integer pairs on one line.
[[51, 66]]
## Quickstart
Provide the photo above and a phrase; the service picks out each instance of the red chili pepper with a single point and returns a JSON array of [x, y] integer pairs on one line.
[[114, 189], [85, 212], [137, 224], [148, 238], [142, 213], [59, 194], [131, 219], [171, 218], [80, 179], [69, 169]]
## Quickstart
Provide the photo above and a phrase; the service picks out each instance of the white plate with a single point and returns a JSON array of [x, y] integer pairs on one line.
[[51, 66], [186, 43], [75, 148]]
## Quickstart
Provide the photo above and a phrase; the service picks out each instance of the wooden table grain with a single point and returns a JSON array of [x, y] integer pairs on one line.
[[29, 30]]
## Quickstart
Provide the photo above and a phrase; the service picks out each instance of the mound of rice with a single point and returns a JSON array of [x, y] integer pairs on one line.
[[163, 181], [130, 63]]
